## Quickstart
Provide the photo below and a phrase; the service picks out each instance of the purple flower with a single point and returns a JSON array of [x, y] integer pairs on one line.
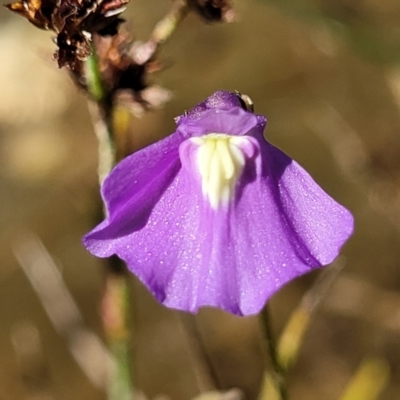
[[214, 215]]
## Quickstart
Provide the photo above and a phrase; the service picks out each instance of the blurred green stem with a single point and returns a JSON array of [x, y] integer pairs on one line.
[[167, 25], [102, 111], [278, 372], [116, 298], [115, 312]]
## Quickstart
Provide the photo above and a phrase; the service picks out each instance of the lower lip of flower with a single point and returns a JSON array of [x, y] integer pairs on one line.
[[220, 159]]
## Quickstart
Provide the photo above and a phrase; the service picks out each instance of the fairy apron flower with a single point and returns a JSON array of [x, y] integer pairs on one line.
[[214, 215]]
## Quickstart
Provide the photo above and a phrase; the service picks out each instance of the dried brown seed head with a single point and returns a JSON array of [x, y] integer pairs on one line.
[[74, 22]]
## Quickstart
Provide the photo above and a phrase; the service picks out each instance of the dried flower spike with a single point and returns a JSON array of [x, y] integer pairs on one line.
[[214, 215], [74, 22]]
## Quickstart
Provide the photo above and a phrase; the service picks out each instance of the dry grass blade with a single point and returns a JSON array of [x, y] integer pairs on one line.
[[370, 379], [85, 346]]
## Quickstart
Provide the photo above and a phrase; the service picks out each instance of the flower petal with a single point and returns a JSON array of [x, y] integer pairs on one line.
[[319, 224], [132, 189], [282, 225]]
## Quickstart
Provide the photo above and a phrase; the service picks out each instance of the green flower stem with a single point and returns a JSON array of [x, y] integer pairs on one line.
[[115, 312], [116, 298], [102, 111], [278, 373], [93, 78]]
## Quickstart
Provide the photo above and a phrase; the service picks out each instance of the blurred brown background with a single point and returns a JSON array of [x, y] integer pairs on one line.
[[326, 74]]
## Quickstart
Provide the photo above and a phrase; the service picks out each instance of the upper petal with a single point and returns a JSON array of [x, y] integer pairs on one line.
[[234, 121], [221, 100]]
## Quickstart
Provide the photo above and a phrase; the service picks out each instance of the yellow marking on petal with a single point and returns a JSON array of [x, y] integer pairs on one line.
[[226, 159], [220, 161]]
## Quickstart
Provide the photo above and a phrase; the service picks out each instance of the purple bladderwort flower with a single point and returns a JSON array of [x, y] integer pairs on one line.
[[214, 215]]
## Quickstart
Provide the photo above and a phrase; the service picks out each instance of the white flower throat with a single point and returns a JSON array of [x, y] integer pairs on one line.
[[220, 160]]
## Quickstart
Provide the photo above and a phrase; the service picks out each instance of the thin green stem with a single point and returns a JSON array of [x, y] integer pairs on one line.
[[101, 110], [278, 373], [93, 78], [116, 297], [116, 321]]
